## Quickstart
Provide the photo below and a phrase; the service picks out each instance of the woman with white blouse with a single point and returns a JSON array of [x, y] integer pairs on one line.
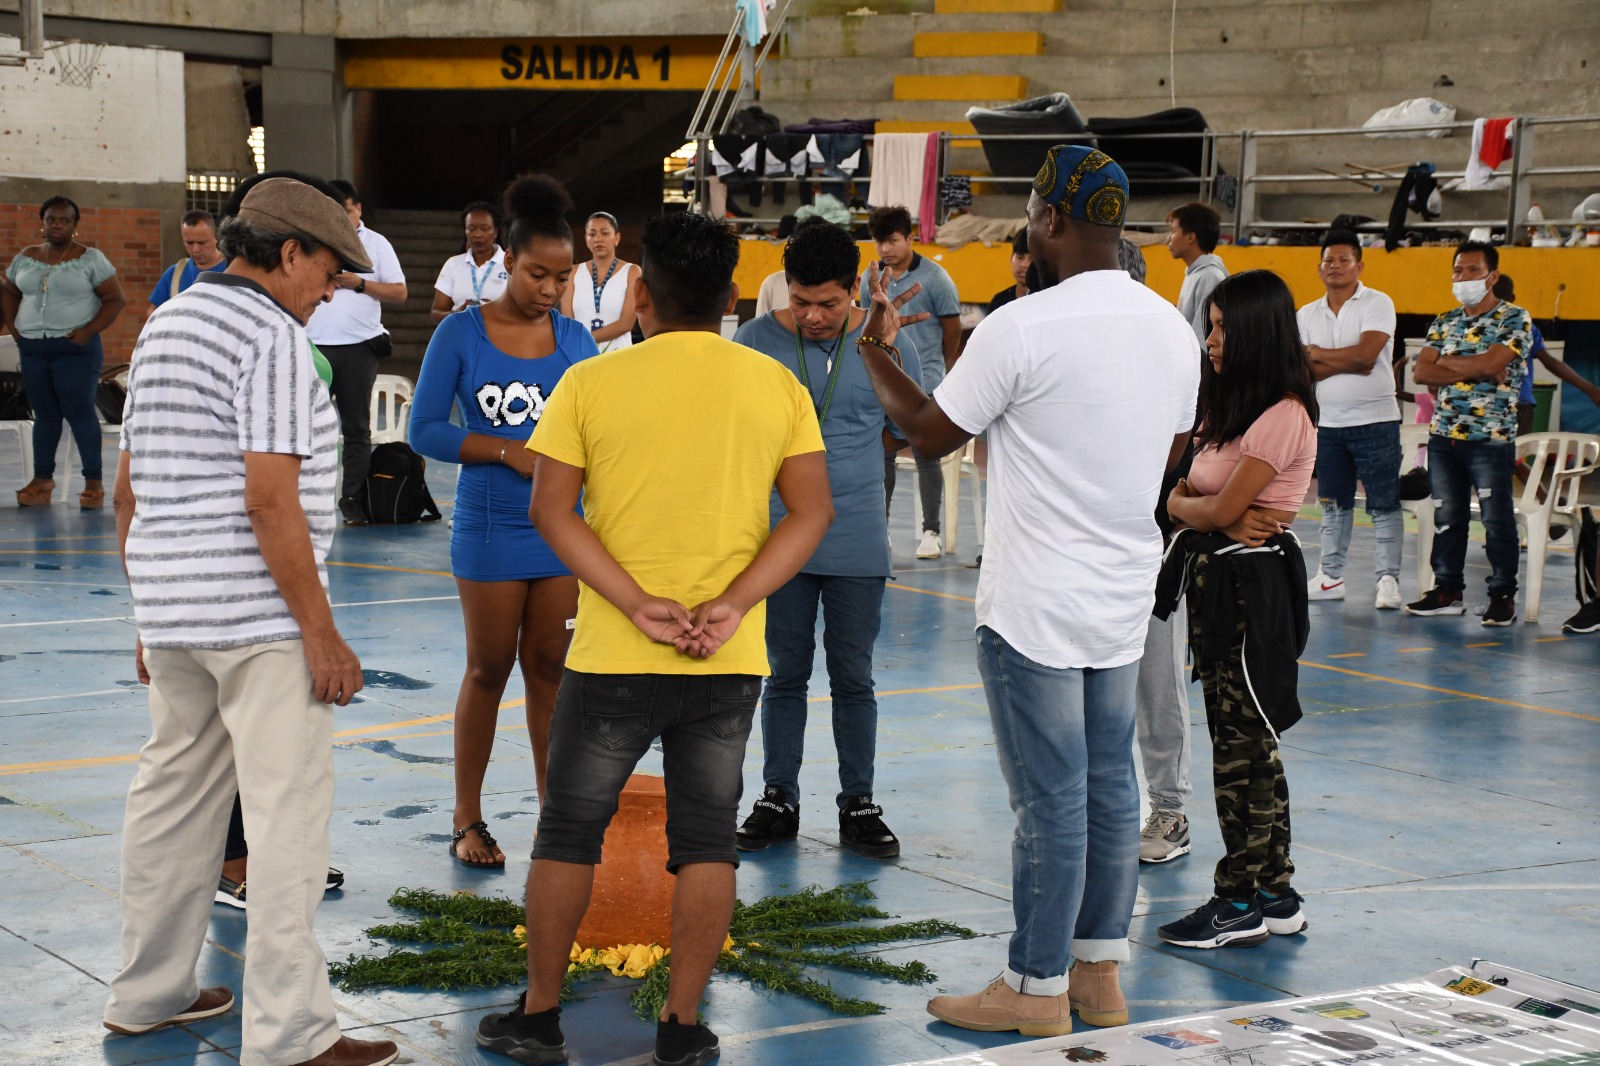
[[478, 274], [601, 296]]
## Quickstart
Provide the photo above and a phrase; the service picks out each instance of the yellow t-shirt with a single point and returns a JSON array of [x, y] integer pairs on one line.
[[680, 439]]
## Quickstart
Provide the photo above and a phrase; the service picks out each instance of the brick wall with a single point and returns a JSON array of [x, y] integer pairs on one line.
[[128, 236]]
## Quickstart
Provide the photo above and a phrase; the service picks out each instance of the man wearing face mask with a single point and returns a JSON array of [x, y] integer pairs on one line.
[[1475, 358]]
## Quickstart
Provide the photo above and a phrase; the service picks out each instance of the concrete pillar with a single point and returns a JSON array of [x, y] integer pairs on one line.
[[305, 107]]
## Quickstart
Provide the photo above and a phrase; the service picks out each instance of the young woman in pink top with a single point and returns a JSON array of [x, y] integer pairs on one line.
[[1245, 583]]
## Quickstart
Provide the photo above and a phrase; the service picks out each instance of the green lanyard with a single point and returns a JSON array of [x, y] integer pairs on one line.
[[834, 363]]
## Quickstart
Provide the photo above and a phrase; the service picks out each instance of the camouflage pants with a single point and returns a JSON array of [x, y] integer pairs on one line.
[[1247, 771]]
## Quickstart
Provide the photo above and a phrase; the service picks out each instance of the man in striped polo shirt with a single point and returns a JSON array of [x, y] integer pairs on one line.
[[225, 513]]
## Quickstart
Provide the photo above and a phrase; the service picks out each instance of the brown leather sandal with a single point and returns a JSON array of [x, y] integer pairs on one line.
[[93, 496], [36, 493], [482, 830]]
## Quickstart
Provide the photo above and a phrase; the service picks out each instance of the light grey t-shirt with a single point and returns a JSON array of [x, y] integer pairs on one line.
[[939, 298], [1198, 281]]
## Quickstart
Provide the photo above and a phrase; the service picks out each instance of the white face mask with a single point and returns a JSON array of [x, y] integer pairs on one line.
[[1470, 293]]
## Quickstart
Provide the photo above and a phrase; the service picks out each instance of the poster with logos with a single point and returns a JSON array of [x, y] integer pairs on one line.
[[1486, 1014]]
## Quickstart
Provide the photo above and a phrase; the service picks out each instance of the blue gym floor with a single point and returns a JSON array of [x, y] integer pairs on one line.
[[1445, 788]]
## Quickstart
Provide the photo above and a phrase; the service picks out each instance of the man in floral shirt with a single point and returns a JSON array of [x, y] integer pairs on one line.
[[1475, 359]]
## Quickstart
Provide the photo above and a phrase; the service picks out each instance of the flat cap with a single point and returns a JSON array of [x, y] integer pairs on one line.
[[295, 209]]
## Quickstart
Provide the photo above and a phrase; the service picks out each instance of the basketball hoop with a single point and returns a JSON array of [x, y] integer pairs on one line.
[[76, 61]]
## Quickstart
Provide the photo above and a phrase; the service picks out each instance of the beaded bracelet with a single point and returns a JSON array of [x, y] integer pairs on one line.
[[878, 342]]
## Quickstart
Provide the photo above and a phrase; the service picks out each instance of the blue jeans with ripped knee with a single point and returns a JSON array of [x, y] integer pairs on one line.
[[1457, 468], [1372, 454]]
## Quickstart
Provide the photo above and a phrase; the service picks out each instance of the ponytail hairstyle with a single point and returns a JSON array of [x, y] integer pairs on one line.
[[535, 206], [1263, 359]]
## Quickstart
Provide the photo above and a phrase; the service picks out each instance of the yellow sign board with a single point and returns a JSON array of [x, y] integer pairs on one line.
[[588, 63]]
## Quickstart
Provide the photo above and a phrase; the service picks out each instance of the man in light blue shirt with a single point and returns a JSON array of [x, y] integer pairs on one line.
[[814, 335], [937, 338], [199, 229]]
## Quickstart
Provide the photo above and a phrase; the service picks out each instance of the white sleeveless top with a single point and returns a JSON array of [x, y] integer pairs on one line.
[[613, 294]]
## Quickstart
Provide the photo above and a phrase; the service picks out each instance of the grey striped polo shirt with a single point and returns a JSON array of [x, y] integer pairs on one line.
[[220, 370]]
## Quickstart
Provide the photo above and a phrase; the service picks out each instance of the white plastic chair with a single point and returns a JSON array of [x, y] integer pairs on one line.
[[1413, 436], [1557, 463], [958, 465], [391, 398]]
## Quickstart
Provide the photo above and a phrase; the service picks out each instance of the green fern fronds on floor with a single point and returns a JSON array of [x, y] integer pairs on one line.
[[474, 943]]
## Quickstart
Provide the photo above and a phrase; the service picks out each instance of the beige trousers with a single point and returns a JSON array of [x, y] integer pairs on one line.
[[220, 720]]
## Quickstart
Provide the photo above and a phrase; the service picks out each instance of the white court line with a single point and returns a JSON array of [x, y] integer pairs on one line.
[[71, 695], [129, 617]]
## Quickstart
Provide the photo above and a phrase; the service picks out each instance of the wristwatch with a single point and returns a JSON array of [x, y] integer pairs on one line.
[[361, 286]]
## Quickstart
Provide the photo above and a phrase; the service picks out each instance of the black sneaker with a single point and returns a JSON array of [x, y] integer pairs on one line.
[[531, 1039], [1218, 924], [1502, 611], [683, 1045], [773, 820], [1282, 913], [1587, 620], [861, 827], [354, 511], [232, 893], [1436, 602]]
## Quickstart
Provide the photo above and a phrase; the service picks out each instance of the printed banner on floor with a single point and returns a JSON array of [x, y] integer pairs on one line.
[[1483, 1015]]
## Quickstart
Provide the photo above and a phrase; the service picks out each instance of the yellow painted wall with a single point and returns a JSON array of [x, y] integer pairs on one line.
[[1417, 279]]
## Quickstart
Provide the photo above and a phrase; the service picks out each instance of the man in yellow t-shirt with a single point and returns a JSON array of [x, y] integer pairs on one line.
[[675, 445]]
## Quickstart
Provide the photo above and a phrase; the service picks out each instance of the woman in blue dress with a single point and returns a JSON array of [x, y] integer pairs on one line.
[[500, 361]]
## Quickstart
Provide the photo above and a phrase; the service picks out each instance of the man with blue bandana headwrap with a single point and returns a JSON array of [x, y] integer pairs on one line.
[[1087, 390]]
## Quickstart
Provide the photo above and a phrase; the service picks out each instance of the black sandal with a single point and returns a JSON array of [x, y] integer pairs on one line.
[[482, 830]]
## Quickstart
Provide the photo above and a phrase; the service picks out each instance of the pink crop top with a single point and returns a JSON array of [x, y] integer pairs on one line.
[[1283, 438]]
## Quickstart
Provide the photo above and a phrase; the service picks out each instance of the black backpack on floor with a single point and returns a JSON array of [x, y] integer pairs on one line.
[[397, 492]]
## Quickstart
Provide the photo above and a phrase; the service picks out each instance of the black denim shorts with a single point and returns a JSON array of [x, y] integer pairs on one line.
[[604, 723]]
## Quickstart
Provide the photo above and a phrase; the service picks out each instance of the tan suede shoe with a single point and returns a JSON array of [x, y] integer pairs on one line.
[[998, 1009], [1095, 993]]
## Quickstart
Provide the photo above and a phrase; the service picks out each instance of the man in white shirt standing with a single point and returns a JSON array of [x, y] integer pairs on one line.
[[1087, 389], [1349, 333], [349, 332]]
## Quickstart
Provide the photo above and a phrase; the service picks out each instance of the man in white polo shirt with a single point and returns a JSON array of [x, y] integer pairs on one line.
[[348, 330], [1349, 333]]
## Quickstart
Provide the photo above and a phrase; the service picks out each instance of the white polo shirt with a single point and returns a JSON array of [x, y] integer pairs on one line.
[[352, 317], [1082, 388], [1353, 399], [464, 281]]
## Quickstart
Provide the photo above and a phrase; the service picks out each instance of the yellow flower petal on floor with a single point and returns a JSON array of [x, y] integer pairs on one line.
[[727, 943]]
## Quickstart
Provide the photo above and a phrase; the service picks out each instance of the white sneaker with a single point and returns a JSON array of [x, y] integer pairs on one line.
[[1323, 587], [931, 546], [1388, 598]]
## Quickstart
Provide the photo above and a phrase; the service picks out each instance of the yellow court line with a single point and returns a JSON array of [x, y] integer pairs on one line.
[[1349, 655], [1450, 691], [930, 592], [1548, 640], [1413, 649], [396, 569], [384, 732], [53, 540], [1485, 644]]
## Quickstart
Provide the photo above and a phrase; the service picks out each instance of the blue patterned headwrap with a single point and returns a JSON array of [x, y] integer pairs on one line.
[[1085, 183]]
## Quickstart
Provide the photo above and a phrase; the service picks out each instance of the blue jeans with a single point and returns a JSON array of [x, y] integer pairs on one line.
[[62, 379], [1065, 741], [602, 726], [1455, 469], [1371, 453], [852, 611]]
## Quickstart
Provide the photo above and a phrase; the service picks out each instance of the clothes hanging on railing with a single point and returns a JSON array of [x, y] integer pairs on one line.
[[1415, 193], [964, 229], [898, 169], [955, 191], [1491, 143], [928, 203]]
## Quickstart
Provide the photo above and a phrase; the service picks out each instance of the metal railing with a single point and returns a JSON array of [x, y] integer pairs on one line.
[[733, 79], [1248, 183]]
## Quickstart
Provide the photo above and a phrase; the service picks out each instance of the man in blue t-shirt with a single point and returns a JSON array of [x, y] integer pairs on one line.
[[199, 231], [937, 339], [814, 335]]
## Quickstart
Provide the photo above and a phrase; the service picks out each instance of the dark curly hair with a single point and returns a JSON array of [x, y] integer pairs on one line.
[[537, 206], [885, 222], [818, 254], [687, 263]]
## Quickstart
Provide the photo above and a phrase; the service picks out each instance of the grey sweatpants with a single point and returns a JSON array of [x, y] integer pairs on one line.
[[1161, 712]]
